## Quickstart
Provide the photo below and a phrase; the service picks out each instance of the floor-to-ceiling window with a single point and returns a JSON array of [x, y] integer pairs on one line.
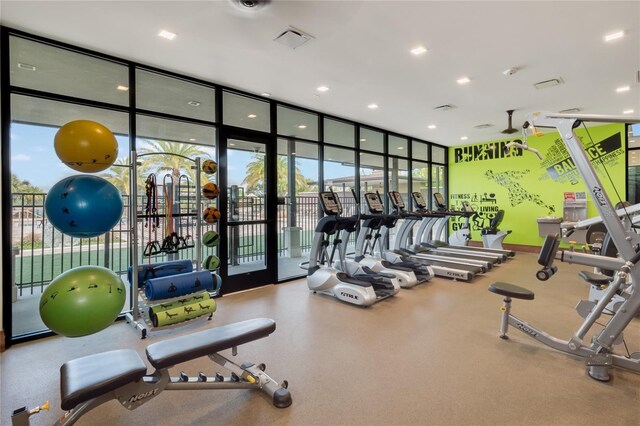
[[154, 111]]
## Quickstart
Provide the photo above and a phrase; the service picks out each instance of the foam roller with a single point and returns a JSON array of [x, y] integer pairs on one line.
[[160, 269], [183, 313], [178, 285], [155, 309]]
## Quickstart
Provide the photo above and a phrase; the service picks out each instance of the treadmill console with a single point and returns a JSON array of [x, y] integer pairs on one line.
[[439, 199], [374, 203], [418, 198], [330, 203], [396, 200]]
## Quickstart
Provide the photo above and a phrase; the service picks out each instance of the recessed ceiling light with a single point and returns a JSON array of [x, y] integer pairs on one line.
[[192, 139], [463, 80], [363, 140], [194, 103], [232, 144], [26, 67], [627, 111], [322, 89], [372, 106], [614, 36], [623, 89], [464, 138], [122, 88], [401, 147], [431, 126], [251, 116], [418, 50], [302, 126], [167, 34], [265, 94]]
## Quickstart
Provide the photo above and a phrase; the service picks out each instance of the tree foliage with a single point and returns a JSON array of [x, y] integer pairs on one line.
[[254, 179]]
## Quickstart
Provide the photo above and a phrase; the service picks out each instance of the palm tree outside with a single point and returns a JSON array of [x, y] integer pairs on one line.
[[254, 179]]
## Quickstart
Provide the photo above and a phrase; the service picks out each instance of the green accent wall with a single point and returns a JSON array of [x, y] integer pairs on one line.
[[526, 187]]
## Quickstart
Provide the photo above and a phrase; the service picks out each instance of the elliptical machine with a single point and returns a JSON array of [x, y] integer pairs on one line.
[[323, 277], [369, 238]]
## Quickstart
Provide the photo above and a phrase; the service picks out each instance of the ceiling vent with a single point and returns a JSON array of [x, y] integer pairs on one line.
[[445, 107], [293, 38], [548, 83], [569, 111], [638, 76], [483, 126]]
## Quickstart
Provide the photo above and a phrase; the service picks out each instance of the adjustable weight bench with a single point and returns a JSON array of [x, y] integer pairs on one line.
[[90, 381]]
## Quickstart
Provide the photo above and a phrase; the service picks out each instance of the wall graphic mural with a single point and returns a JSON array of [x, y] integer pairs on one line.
[[492, 178]]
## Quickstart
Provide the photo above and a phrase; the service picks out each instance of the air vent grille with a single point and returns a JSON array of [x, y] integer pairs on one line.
[[483, 126], [548, 83], [293, 38], [570, 111]]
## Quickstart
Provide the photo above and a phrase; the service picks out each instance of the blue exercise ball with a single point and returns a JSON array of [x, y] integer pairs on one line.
[[83, 206]]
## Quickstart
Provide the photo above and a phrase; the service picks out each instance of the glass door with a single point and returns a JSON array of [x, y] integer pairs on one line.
[[247, 215]]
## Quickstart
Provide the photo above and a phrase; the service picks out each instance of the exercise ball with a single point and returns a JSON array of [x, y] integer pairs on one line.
[[209, 166], [83, 206], [211, 263], [82, 301], [86, 146], [211, 239]]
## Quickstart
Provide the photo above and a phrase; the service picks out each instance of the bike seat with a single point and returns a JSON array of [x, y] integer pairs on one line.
[[511, 290], [595, 279]]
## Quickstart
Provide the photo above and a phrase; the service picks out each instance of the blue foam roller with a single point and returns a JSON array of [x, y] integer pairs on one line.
[[178, 285], [160, 269]]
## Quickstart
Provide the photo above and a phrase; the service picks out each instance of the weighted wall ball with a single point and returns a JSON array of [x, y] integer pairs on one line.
[[210, 190], [211, 239], [82, 301], [83, 206], [211, 263], [86, 146], [209, 166], [211, 215]]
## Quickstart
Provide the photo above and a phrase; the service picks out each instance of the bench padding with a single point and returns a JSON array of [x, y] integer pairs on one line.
[[180, 349], [88, 377]]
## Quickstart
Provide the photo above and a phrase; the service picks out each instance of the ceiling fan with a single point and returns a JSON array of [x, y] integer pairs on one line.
[[509, 130]]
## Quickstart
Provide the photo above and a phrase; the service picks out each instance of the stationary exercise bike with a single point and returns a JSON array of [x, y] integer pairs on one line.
[[121, 375], [492, 237], [598, 354]]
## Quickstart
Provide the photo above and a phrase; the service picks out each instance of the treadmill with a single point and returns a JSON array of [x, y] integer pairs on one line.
[[424, 242], [442, 266], [404, 236], [467, 213]]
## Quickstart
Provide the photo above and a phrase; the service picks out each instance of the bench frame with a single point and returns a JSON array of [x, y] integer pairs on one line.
[[134, 394]]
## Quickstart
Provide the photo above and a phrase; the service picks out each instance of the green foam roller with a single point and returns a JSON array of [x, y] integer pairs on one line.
[[178, 303], [183, 313]]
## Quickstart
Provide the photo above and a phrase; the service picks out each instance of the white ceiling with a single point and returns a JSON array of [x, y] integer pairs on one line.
[[361, 49]]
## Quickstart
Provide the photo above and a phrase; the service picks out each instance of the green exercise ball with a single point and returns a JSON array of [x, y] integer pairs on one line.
[[82, 301]]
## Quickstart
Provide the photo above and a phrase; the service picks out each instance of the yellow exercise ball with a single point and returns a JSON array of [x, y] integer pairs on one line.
[[86, 146]]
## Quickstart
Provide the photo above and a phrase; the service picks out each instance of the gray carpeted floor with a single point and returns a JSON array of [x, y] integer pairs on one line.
[[431, 355]]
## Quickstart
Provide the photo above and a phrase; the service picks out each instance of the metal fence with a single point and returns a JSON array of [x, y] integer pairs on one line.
[[44, 252]]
